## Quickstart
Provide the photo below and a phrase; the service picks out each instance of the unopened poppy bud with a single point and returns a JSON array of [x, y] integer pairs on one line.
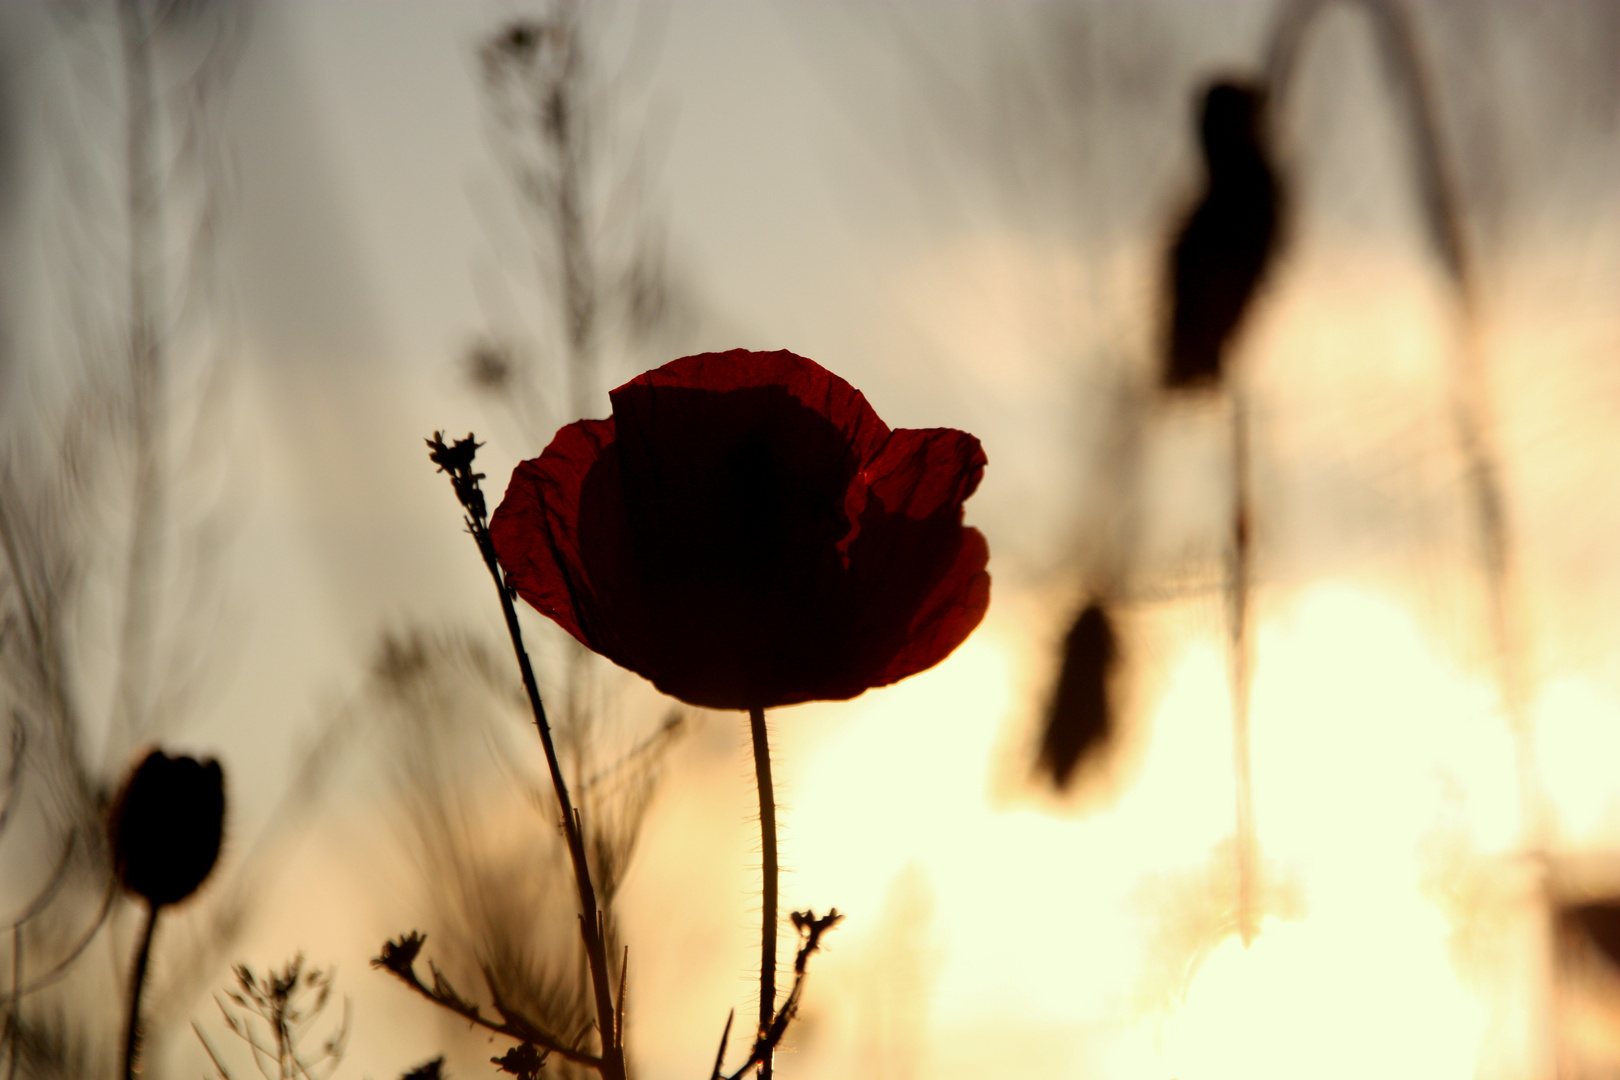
[[166, 826]]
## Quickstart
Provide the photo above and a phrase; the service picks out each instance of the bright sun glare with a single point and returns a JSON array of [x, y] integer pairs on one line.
[[1374, 756]]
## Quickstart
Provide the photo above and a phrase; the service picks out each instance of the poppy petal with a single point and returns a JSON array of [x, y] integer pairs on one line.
[[845, 407], [536, 528], [917, 471], [950, 612]]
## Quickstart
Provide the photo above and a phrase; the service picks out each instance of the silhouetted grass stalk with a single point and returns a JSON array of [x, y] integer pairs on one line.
[[1241, 648], [14, 1006], [810, 928], [612, 1063], [1441, 208], [1470, 396]]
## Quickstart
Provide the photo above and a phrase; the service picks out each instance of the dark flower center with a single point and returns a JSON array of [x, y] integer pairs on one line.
[[751, 498], [735, 503]]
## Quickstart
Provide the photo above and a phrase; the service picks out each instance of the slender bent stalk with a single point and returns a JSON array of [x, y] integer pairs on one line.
[[1240, 627], [613, 1067], [137, 982], [457, 460], [767, 836]]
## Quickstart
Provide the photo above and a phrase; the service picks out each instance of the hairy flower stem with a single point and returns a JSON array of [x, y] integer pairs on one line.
[[137, 982], [767, 841]]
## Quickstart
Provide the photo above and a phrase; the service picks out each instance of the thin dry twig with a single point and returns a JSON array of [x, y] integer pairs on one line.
[[457, 461], [287, 1003], [810, 929], [398, 958]]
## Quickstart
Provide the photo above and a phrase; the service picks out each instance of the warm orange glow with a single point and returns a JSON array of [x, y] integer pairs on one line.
[[1335, 997], [1375, 761]]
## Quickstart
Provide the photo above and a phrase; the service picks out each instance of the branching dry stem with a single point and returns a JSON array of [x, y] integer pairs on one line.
[[457, 460], [810, 930], [399, 958]]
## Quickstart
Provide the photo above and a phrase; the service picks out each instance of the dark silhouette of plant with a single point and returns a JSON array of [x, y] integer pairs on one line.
[[1080, 716], [275, 1014], [746, 533], [605, 287], [1440, 198], [456, 459], [398, 958], [810, 929], [165, 828], [110, 537], [504, 909], [594, 290], [1217, 262], [428, 1070], [523, 1061]]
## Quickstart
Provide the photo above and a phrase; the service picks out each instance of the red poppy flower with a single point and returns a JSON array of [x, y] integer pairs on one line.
[[745, 532]]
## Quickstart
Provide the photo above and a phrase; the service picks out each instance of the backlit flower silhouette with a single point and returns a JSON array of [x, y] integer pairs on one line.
[[166, 826], [745, 532]]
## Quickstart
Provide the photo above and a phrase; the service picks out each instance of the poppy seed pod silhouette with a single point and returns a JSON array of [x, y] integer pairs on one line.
[[1224, 247], [745, 532], [1079, 719], [1598, 922], [166, 827]]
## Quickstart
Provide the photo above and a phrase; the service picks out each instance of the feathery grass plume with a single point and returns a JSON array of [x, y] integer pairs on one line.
[[456, 461], [112, 510], [277, 1015], [575, 147], [1225, 246], [59, 1041], [116, 505], [503, 919], [1080, 717], [503, 914], [595, 290]]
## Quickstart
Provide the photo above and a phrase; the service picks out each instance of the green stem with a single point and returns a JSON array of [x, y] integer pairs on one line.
[[137, 982], [767, 834]]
